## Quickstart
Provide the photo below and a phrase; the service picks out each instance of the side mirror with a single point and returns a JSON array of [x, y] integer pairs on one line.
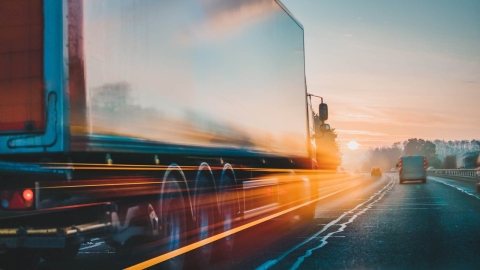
[[324, 128], [323, 111]]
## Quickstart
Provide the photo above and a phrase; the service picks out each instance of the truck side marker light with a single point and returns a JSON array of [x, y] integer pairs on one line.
[[28, 195], [108, 159]]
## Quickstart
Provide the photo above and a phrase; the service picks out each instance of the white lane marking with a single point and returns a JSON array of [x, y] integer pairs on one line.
[[270, 263], [171, 254], [459, 188], [97, 252], [92, 246], [401, 208], [399, 204], [344, 183], [323, 241]]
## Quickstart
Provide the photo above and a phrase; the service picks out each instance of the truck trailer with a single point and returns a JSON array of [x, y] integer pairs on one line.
[[149, 124]]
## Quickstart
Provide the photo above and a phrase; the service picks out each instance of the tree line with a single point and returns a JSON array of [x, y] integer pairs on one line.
[[440, 154]]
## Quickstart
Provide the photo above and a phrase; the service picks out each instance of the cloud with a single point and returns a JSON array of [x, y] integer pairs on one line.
[[359, 132], [227, 16], [358, 116]]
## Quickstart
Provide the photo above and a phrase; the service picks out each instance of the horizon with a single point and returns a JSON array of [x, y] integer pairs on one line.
[[392, 71]]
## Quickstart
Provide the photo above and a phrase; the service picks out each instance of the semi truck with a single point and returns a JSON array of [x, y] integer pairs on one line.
[[150, 124], [469, 160]]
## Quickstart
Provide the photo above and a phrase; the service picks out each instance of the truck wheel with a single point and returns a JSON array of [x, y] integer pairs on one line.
[[228, 212], [61, 254], [174, 221], [205, 219]]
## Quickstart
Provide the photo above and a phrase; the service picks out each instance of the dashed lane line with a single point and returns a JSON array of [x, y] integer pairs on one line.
[[456, 187], [380, 193], [92, 246], [169, 255]]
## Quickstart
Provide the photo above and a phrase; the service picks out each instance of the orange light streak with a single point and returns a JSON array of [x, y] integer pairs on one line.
[[180, 251]]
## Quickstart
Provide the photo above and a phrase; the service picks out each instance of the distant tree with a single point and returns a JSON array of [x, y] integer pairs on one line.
[[384, 157], [453, 148], [421, 147], [329, 156]]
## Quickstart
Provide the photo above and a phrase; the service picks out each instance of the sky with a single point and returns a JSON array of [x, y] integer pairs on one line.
[[393, 70]]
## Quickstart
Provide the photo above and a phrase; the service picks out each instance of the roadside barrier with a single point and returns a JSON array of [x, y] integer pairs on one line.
[[473, 174]]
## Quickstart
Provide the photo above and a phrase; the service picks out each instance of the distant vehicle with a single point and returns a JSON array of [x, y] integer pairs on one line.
[[469, 160], [376, 172], [412, 168], [431, 168]]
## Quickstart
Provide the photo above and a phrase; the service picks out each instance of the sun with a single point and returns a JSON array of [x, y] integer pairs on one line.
[[352, 145]]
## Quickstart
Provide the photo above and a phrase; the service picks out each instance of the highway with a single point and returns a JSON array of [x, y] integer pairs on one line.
[[361, 222]]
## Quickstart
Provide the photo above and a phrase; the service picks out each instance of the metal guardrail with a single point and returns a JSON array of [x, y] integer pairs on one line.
[[469, 174], [474, 173]]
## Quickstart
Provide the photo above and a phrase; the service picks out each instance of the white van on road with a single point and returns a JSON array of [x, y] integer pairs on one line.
[[412, 168]]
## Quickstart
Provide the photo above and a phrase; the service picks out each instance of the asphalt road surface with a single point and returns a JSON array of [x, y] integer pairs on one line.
[[360, 223]]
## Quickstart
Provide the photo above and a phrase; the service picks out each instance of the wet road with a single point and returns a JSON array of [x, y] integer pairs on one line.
[[360, 222]]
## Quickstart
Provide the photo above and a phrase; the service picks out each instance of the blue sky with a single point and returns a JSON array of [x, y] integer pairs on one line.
[[392, 70]]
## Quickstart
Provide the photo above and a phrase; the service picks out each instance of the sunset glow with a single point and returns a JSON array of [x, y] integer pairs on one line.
[[388, 78], [352, 145]]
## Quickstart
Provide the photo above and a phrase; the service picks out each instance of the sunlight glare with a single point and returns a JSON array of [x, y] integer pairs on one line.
[[352, 145]]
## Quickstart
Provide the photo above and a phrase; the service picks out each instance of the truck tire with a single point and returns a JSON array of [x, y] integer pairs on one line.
[[174, 222], [61, 254], [205, 203], [228, 212]]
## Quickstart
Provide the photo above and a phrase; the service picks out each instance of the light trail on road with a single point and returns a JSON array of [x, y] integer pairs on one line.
[[169, 255]]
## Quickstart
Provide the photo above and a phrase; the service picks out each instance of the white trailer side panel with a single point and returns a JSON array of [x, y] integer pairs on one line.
[[195, 72]]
